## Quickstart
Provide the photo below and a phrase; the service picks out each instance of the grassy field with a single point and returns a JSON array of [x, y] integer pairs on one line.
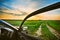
[[55, 24], [46, 34], [14, 22], [33, 25]]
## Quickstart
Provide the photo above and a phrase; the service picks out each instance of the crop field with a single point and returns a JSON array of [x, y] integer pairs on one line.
[[46, 34], [55, 24], [33, 26]]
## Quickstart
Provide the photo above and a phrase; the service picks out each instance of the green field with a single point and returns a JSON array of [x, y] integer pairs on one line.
[[55, 24], [14, 22], [46, 34], [33, 25]]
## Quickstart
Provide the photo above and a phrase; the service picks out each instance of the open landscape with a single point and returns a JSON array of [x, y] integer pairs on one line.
[[30, 20], [34, 25]]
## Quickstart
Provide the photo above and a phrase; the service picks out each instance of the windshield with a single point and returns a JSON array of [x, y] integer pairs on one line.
[[45, 25]]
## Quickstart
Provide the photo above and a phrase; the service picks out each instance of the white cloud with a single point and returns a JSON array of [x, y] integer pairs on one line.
[[30, 7]]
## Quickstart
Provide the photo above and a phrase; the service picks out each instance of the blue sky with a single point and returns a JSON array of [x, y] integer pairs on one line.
[[26, 4]]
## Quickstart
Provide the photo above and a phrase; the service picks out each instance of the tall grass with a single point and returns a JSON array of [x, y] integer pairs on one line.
[[46, 34], [55, 24]]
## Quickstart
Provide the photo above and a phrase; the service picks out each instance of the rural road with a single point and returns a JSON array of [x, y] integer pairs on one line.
[[38, 32], [53, 31]]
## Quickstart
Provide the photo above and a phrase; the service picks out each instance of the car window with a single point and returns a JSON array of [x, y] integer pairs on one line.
[[45, 25]]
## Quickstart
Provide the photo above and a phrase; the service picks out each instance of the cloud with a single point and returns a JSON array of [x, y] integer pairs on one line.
[[50, 17], [29, 7]]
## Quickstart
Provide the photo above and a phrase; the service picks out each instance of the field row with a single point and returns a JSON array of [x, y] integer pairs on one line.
[[33, 25]]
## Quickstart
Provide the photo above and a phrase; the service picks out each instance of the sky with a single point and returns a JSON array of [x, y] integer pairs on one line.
[[19, 9]]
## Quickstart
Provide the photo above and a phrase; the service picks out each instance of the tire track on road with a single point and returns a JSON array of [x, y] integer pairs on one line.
[[53, 31], [38, 32]]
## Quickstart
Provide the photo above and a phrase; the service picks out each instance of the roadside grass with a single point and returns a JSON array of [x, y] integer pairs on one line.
[[46, 34], [32, 25], [54, 24], [14, 22]]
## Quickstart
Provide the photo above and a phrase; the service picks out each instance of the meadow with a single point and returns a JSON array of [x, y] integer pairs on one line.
[[33, 26], [46, 34], [54, 24]]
